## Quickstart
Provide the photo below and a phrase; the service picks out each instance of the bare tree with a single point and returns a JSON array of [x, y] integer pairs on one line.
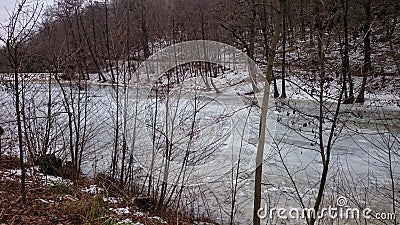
[[367, 50], [348, 97], [21, 25], [284, 28], [264, 110]]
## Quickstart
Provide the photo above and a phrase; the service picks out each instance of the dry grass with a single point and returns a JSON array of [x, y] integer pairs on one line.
[[63, 203]]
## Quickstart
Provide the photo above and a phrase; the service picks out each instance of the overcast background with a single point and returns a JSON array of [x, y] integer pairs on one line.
[[7, 6], [11, 4]]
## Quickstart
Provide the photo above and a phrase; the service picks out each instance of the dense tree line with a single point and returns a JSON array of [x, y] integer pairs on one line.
[[90, 36]]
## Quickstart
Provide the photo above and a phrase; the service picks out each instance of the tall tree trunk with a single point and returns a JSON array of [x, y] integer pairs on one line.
[[251, 45], [93, 50], [145, 34], [125, 108], [266, 45], [343, 51], [346, 62], [168, 149], [324, 157], [367, 50], [19, 125], [325, 149], [15, 62], [302, 23], [46, 141], [283, 95], [252, 29], [116, 131], [263, 119], [207, 66], [108, 43]]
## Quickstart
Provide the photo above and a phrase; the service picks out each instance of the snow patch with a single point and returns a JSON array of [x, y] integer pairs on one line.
[[120, 211], [92, 189]]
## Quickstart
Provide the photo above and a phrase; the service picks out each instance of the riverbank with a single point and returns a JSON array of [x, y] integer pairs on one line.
[[55, 200]]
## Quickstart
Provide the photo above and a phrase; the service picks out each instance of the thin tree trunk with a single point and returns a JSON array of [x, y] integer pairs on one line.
[[93, 50], [207, 64], [168, 148], [20, 141], [302, 23], [108, 43], [251, 45], [116, 131], [367, 51], [346, 61], [46, 143], [125, 108], [283, 95], [145, 34], [266, 45], [263, 119], [324, 156]]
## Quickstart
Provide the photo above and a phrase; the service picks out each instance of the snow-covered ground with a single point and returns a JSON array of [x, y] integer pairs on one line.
[[125, 215]]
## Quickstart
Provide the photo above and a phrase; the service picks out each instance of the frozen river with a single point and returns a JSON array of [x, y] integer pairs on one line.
[[221, 153]]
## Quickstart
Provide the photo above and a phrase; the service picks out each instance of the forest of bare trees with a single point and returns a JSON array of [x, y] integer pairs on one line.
[[287, 104]]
